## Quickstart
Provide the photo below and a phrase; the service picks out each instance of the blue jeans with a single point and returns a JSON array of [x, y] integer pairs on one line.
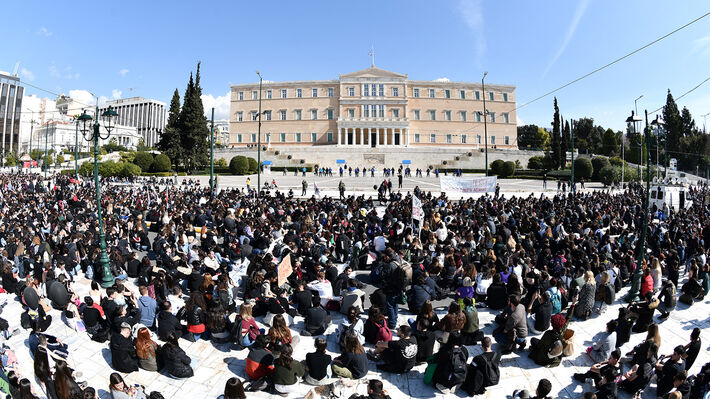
[[392, 309]]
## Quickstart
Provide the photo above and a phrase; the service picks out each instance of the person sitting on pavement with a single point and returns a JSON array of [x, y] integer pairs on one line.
[[484, 370], [318, 364], [287, 372], [353, 362], [123, 353], [317, 319], [470, 333], [260, 360], [600, 350], [375, 390], [540, 309], [666, 371], [148, 308], [514, 328], [397, 356], [640, 374], [596, 371], [352, 296], [177, 363], [544, 387], [168, 322], [547, 351]]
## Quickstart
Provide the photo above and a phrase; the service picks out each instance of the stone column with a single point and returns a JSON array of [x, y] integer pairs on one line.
[[362, 134], [340, 133]]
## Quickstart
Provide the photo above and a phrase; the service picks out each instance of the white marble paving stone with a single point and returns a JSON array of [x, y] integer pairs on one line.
[[216, 366]]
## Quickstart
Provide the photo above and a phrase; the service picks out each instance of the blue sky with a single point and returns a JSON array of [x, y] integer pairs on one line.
[[148, 48]]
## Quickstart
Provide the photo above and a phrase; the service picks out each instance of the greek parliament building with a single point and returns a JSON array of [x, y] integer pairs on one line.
[[373, 108], [146, 115], [11, 94]]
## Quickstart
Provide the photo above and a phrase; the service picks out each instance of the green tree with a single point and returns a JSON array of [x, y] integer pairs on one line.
[[110, 168], [11, 159], [161, 163], [144, 160], [220, 163], [543, 137], [86, 169], [565, 143], [609, 144], [193, 125], [239, 165], [527, 137], [610, 174], [169, 142], [674, 124], [253, 165], [129, 170], [598, 163], [508, 169], [60, 159], [536, 162], [555, 145], [141, 141], [497, 167], [583, 169]]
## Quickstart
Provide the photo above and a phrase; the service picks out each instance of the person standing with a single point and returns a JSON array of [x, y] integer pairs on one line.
[[248, 184], [341, 187], [399, 180], [304, 187]]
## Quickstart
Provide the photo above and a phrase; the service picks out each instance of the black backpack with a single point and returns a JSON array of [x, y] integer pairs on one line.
[[453, 372]]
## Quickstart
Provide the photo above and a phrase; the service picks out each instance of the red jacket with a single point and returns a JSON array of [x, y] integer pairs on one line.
[[646, 284]]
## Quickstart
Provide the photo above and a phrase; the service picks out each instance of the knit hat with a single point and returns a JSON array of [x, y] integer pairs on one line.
[[558, 321]]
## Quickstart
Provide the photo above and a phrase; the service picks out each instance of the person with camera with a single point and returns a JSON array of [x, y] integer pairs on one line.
[[667, 367]]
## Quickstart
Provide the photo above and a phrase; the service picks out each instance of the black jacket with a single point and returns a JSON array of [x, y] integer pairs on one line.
[[123, 354], [196, 316], [167, 322], [177, 363]]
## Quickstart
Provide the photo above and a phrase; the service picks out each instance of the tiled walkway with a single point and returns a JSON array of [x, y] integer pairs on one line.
[[216, 363]]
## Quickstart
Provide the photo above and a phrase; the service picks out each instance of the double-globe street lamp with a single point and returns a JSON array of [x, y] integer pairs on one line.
[[93, 133], [631, 124], [658, 126]]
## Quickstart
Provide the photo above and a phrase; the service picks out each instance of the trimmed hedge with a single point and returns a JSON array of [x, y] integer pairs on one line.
[[161, 163], [253, 165], [496, 167], [599, 163], [508, 169], [143, 159], [583, 169], [239, 165]]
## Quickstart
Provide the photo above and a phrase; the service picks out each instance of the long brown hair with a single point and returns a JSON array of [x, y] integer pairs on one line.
[[352, 345], [145, 347], [62, 376], [279, 331]]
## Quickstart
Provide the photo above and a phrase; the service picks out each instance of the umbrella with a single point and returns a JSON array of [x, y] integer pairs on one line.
[[58, 294], [31, 298], [25, 158]]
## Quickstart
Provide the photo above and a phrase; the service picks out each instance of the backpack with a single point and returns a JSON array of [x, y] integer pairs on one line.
[[349, 330], [556, 301], [383, 333], [610, 295], [454, 371]]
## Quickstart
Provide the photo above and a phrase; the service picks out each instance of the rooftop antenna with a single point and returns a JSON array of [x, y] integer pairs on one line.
[[17, 67], [372, 55]]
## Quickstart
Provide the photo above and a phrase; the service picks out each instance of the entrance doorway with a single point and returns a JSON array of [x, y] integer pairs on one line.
[[350, 138], [373, 140], [396, 139]]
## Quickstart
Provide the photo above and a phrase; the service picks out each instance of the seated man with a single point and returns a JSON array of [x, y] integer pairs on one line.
[[595, 373], [543, 389], [53, 345], [600, 350], [123, 353], [399, 356], [317, 319], [667, 371], [484, 370], [352, 296], [515, 328], [606, 387], [639, 376]]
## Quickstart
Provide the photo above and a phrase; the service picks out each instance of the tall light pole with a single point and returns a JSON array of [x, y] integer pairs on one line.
[[32, 128], [658, 125], [485, 117], [93, 133], [631, 124], [638, 166], [46, 137], [571, 130], [76, 150], [633, 294], [258, 151], [212, 157], [705, 119]]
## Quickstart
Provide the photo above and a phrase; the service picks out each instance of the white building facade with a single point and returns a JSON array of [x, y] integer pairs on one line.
[[11, 94], [61, 135], [148, 116]]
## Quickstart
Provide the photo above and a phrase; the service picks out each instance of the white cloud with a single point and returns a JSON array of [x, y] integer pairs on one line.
[[520, 121], [44, 32], [123, 72], [85, 98], [220, 104], [581, 8], [27, 74], [472, 14], [65, 73], [702, 45], [116, 94]]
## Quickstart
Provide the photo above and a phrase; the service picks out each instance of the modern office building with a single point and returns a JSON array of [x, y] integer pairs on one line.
[[145, 114], [374, 108], [11, 94]]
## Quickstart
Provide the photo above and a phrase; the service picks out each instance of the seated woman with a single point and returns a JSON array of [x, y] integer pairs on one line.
[[547, 351], [233, 389], [279, 334], [64, 383], [353, 362], [601, 349], [497, 296], [317, 364], [147, 350], [352, 325], [279, 306], [245, 329], [120, 390], [286, 371], [376, 327], [177, 363], [484, 279], [466, 290], [216, 323], [260, 360]]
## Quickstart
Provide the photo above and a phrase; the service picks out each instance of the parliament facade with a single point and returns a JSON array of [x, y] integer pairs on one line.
[[373, 108]]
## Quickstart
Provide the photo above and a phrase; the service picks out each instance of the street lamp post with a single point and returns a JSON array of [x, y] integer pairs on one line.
[[485, 116], [93, 133], [633, 294], [658, 125], [212, 157], [258, 151], [638, 165], [631, 124], [46, 136], [76, 150], [571, 130], [32, 128]]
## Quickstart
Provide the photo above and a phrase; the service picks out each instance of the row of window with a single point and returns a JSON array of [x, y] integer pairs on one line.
[[417, 138], [370, 90], [372, 110], [463, 138]]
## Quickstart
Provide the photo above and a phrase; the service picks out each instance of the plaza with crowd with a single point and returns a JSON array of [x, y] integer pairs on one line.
[[375, 292]]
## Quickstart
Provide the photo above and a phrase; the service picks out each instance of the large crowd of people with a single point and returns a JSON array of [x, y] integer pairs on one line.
[[257, 274]]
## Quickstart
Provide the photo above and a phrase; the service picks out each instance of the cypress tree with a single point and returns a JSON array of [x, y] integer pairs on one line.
[[674, 124], [193, 125], [556, 144], [170, 143]]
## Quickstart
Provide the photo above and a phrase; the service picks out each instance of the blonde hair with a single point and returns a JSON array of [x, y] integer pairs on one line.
[[605, 278], [589, 277], [245, 311]]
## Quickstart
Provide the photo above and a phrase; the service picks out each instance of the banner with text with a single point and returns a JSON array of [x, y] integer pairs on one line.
[[417, 211], [284, 270], [467, 185]]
